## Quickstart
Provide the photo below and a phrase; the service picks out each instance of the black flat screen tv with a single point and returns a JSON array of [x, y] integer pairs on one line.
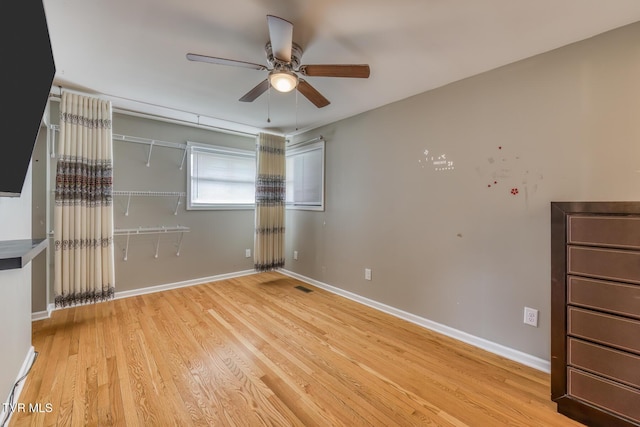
[[27, 68]]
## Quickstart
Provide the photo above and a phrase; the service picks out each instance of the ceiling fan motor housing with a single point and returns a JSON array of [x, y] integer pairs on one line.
[[276, 64]]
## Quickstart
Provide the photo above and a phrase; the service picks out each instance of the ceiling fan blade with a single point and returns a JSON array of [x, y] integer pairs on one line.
[[326, 70], [312, 94], [281, 37], [256, 91], [223, 61]]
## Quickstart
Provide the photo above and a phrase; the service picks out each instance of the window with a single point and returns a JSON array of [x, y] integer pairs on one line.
[[220, 177], [305, 177]]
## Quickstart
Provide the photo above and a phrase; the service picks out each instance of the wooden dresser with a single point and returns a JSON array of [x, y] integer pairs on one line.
[[595, 311]]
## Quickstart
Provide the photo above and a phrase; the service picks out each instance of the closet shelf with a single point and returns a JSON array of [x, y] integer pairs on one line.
[[135, 139], [179, 194], [162, 229], [148, 193], [151, 230]]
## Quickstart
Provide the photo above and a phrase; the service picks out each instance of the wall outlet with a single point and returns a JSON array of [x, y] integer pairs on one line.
[[531, 316], [295, 254], [247, 253], [367, 274]]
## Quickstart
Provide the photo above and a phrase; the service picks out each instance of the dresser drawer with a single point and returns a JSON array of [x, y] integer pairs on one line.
[[602, 230], [618, 298], [613, 397], [606, 329], [613, 364], [612, 264]]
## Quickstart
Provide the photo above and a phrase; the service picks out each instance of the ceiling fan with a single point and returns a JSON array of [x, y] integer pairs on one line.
[[283, 58]]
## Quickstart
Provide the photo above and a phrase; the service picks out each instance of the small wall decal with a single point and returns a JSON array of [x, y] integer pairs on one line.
[[503, 168], [439, 163]]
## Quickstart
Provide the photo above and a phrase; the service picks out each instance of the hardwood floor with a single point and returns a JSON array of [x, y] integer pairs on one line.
[[257, 351]]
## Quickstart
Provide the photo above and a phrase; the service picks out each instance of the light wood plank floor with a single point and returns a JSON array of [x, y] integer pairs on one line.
[[257, 351]]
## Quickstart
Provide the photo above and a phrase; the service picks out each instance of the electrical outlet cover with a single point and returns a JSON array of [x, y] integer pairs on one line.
[[531, 316]]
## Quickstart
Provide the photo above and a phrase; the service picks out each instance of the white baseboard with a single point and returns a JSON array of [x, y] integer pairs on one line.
[[26, 365], [499, 349], [176, 285], [41, 315]]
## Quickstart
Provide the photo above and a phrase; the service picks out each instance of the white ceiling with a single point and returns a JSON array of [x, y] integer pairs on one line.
[[133, 51]]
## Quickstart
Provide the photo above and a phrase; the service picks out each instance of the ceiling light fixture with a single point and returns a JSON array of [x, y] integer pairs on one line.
[[283, 80]]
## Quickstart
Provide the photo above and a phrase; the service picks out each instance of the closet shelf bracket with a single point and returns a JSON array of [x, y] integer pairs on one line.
[[184, 156], [150, 149]]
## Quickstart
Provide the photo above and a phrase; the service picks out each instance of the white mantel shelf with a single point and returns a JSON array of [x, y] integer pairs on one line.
[[18, 253]]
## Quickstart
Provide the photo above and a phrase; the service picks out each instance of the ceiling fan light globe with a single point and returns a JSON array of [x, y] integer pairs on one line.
[[283, 81]]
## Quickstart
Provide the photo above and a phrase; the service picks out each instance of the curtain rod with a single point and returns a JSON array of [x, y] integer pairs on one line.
[[58, 96], [309, 141]]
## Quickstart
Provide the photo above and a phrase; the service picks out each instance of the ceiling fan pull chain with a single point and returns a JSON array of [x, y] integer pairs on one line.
[[269, 103], [296, 109]]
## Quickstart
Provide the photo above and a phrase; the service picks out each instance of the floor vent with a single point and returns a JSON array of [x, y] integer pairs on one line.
[[303, 289]]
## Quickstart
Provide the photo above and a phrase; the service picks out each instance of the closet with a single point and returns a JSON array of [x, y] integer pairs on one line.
[[178, 196]]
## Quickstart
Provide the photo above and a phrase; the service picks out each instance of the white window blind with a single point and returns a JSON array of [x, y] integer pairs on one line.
[[220, 177], [305, 177]]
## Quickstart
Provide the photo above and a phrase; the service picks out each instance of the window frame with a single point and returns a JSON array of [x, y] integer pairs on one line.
[[297, 149], [216, 149]]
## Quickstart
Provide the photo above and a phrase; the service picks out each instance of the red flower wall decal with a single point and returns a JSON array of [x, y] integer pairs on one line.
[[514, 191]]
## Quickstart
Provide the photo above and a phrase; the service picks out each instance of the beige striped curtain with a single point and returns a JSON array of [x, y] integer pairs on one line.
[[270, 198], [83, 213]]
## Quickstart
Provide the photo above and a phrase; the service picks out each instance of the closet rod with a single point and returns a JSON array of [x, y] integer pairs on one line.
[[309, 141]]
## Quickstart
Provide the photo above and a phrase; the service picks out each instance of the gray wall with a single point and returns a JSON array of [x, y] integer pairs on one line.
[[456, 246], [15, 304]]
